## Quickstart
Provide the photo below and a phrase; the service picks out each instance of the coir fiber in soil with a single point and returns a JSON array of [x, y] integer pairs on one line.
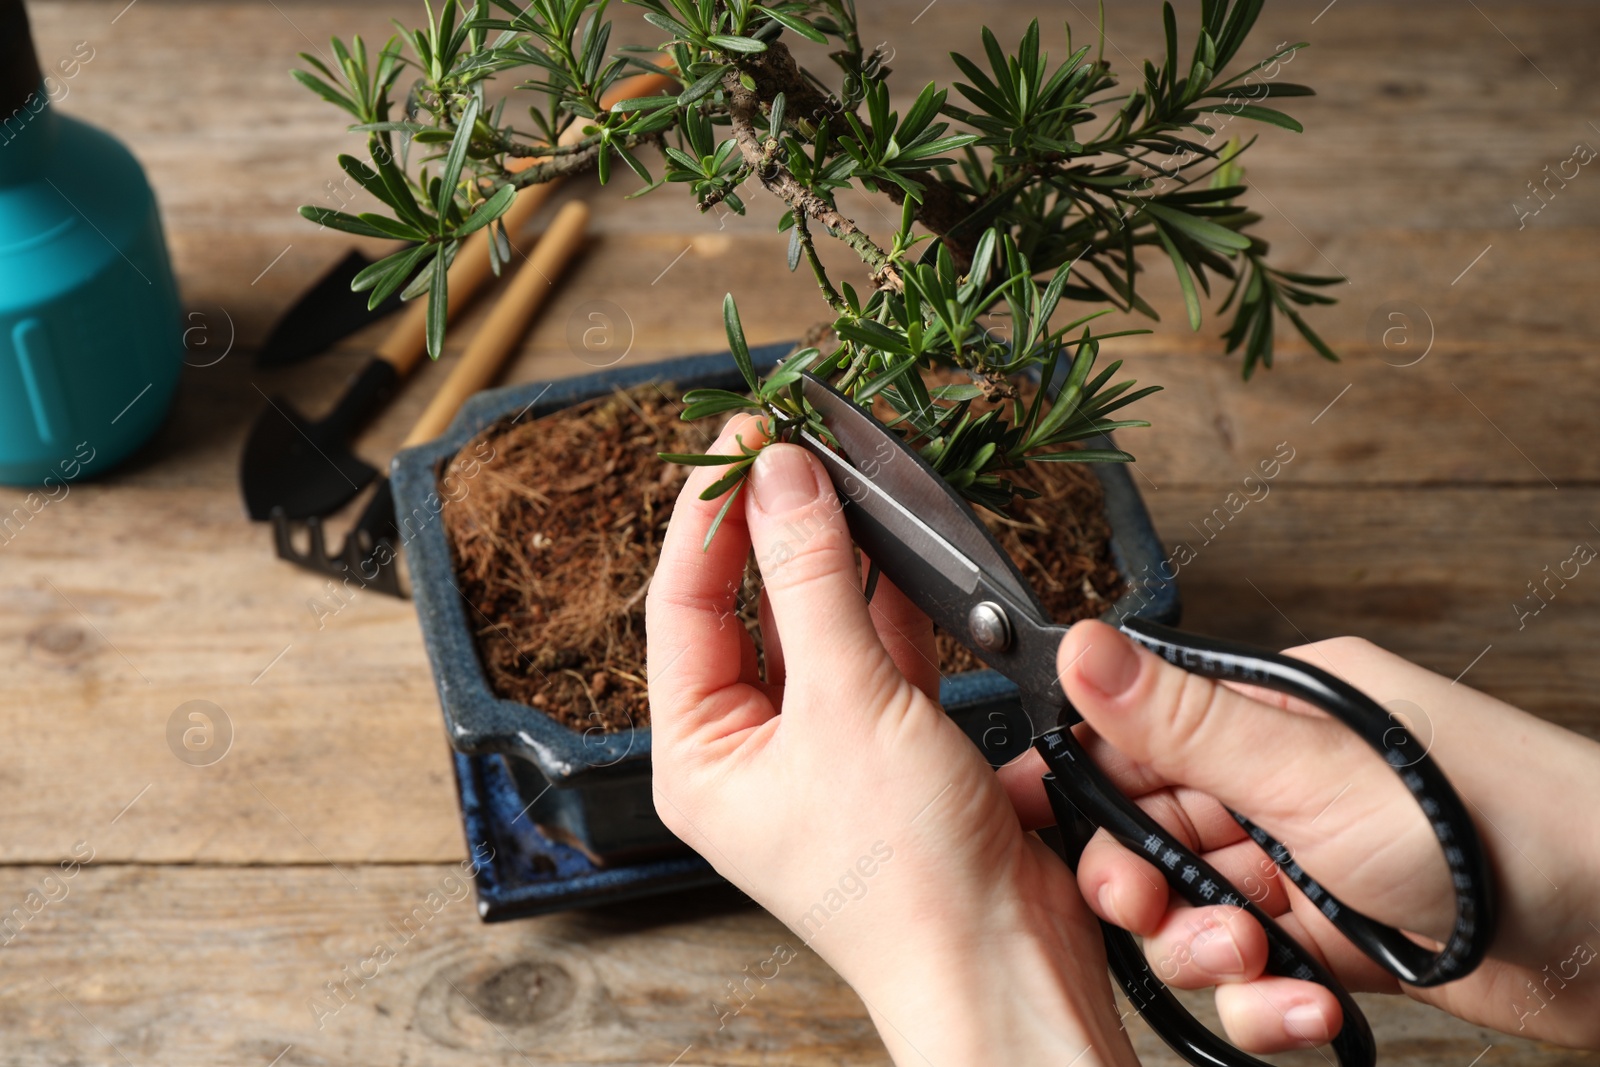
[[556, 538]]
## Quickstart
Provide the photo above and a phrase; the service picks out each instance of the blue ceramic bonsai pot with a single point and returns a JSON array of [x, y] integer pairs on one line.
[[592, 789]]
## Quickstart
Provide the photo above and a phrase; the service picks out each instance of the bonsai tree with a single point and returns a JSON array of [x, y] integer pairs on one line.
[[1031, 187]]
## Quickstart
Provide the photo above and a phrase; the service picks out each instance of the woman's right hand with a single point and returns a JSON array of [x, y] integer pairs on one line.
[[1183, 747]]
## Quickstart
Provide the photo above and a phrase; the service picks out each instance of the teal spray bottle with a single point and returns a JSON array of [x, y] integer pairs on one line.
[[91, 334]]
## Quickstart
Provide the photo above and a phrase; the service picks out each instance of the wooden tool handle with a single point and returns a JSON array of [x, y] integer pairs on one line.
[[501, 332], [471, 271]]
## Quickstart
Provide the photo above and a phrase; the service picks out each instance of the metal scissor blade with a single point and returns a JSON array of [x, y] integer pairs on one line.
[[910, 497], [890, 532]]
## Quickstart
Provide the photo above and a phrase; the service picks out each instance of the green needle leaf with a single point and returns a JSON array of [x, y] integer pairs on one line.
[[745, 45], [389, 274], [489, 210], [1260, 114], [1203, 230], [722, 512], [338, 220], [438, 306], [1191, 299], [733, 477], [703, 86], [795, 23], [326, 91], [454, 160], [698, 459], [736, 342]]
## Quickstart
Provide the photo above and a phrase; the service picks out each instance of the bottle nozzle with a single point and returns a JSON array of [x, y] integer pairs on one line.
[[19, 65]]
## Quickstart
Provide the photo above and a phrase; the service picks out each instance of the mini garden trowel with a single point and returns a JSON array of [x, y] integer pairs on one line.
[[325, 314], [369, 554]]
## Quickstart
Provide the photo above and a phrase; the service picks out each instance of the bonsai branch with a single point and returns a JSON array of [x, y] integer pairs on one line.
[[546, 151], [775, 71], [579, 159], [942, 207], [718, 195], [762, 156]]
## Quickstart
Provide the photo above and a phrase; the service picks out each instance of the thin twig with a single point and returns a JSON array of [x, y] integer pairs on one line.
[[829, 293]]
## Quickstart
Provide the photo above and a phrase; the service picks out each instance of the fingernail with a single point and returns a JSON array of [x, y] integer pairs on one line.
[[1217, 953], [1110, 664], [783, 479], [1106, 907], [1306, 1022]]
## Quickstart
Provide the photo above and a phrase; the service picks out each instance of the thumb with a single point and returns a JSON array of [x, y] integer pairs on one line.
[[808, 568], [1305, 779], [1200, 733]]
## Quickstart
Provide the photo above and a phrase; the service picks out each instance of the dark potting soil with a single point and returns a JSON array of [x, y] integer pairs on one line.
[[555, 542]]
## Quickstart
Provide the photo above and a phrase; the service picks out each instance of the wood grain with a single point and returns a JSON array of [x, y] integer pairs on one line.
[[1421, 501], [246, 956]]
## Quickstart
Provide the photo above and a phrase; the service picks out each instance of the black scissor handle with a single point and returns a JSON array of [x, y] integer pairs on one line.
[[1084, 798], [1475, 919]]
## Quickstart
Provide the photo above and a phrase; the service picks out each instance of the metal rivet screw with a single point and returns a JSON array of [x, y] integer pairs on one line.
[[989, 627]]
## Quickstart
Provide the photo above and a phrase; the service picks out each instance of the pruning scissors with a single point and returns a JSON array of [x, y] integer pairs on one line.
[[927, 540]]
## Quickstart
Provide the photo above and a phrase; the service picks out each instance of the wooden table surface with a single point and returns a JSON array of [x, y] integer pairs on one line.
[[1432, 481]]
